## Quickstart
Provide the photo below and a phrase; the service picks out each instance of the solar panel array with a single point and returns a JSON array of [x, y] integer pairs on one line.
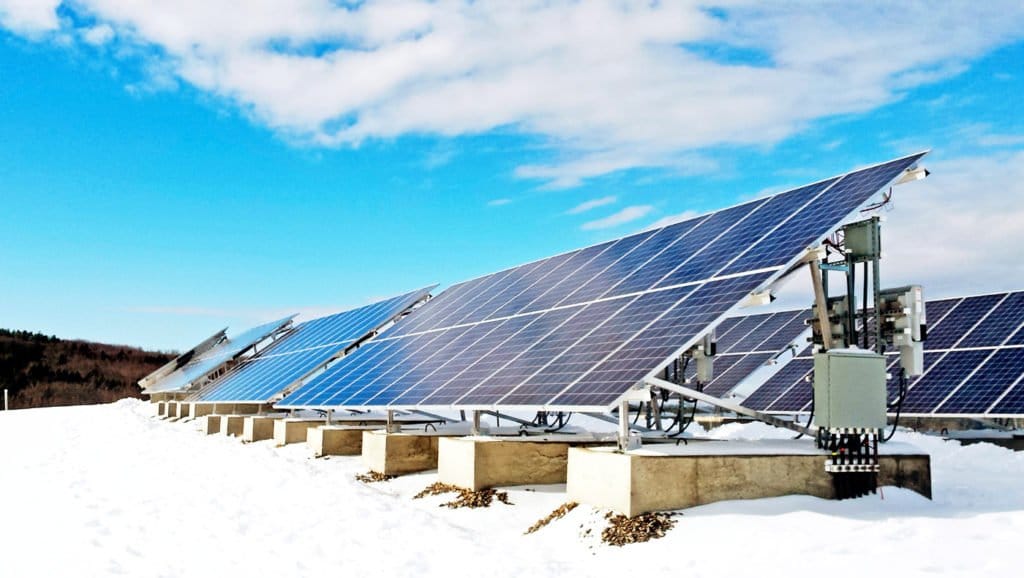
[[578, 330], [974, 364], [211, 360], [747, 343], [303, 350]]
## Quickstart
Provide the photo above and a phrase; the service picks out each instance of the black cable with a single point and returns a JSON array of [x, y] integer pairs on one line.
[[899, 405], [563, 420], [810, 418]]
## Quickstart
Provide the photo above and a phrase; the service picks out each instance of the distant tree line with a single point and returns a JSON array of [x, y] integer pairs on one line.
[[42, 370]]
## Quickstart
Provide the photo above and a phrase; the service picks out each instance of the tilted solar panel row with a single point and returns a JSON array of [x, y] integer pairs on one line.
[[578, 330], [303, 350], [215, 358]]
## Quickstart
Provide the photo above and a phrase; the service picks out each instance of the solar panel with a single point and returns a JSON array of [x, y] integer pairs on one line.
[[308, 347], [576, 331], [750, 342], [212, 360], [973, 364]]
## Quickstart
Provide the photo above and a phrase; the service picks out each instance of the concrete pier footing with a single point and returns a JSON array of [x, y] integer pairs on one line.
[[231, 425], [211, 424], [395, 454], [184, 409], [197, 410], [337, 440], [670, 478], [480, 462], [257, 428], [293, 430], [161, 409], [171, 409]]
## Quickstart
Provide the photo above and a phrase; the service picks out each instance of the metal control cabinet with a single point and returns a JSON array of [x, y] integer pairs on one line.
[[849, 389]]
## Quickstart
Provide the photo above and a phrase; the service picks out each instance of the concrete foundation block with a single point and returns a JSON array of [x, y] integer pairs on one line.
[[337, 440], [394, 454], [161, 409], [172, 409], [184, 409], [648, 480], [211, 424], [257, 428], [293, 430], [231, 425], [197, 410], [478, 463]]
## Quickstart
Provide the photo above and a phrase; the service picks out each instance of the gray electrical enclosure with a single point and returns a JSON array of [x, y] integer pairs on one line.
[[849, 389]]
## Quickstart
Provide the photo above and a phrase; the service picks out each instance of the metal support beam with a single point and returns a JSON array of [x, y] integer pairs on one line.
[[391, 426], [820, 302], [510, 418], [475, 428], [733, 407], [623, 433], [330, 414]]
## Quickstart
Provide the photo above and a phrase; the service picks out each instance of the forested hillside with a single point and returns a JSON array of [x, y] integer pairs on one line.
[[41, 370]]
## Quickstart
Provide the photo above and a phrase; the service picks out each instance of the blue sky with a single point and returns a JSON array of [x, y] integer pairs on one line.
[[159, 184]]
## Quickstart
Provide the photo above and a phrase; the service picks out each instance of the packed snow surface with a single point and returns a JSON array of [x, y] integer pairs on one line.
[[112, 490]]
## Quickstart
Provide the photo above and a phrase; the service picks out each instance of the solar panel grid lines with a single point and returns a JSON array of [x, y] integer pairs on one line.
[[306, 348], [984, 333], [992, 380], [931, 388], [626, 364], [604, 354], [727, 379], [771, 334], [625, 320], [1011, 401]]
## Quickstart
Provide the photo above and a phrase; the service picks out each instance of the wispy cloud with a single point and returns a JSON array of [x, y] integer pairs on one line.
[[591, 204], [672, 219], [498, 202], [622, 217], [611, 85], [1001, 140]]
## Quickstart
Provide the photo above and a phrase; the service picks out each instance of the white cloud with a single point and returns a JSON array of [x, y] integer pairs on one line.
[[624, 216], [608, 85], [1001, 140], [498, 202], [29, 17], [98, 35], [591, 204], [672, 219]]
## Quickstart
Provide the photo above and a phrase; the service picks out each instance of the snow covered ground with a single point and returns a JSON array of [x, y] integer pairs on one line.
[[111, 490]]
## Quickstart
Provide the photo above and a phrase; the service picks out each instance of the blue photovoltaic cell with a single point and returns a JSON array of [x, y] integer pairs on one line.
[[999, 325], [788, 332], [744, 350], [940, 380], [998, 374], [304, 349], [578, 330], [1012, 404], [960, 320], [729, 377], [789, 376]]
